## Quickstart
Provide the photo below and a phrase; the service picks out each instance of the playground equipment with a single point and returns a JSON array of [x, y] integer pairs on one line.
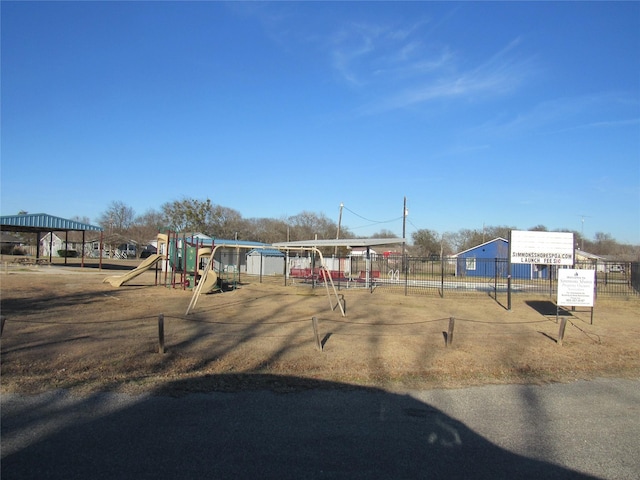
[[182, 265], [324, 273], [188, 263], [118, 280]]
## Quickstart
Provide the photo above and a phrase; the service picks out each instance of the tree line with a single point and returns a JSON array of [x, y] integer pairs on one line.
[[121, 225]]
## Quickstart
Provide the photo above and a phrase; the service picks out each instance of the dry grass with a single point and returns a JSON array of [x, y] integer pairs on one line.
[[67, 329]]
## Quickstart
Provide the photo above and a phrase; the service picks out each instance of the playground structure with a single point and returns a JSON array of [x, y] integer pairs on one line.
[[188, 264], [325, 276], [182, 262]]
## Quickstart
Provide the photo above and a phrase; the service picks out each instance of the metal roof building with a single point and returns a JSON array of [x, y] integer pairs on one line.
[[41, 222], [490, 260]]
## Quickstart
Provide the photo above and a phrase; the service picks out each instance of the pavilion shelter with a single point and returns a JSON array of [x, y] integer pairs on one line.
[[42, 223]]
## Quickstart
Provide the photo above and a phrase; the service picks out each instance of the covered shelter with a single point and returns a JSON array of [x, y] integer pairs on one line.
[[40, 223], [361, 243]]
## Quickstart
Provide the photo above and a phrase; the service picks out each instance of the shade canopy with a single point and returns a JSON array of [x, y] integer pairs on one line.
[[42, 222], [342, 242]]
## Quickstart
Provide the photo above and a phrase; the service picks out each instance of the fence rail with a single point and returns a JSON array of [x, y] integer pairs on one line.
[[452, 276]]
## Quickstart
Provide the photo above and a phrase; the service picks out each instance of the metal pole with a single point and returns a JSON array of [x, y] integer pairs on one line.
[[183, 263], [335, 252], [66, 245], [509, 275], [441, 276], [50, 246], [100, 246], [82, 257], [404, 256]]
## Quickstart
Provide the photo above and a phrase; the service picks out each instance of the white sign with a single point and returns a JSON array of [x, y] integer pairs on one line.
[[576, 287], [544, 248]]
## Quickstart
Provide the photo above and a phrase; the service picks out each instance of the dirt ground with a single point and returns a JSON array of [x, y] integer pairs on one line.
[[65, 328]]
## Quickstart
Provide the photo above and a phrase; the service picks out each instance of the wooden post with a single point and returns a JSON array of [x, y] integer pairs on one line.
[[452, 322], [314, 321], [161, 333], [2, 320], [563, 324]]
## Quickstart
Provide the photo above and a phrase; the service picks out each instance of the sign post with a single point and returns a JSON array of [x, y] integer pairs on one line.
[[538, 248], [541, 248], [576, 288]]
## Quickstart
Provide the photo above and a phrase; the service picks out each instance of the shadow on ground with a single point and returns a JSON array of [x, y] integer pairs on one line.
[[548, 308], [277, 427]]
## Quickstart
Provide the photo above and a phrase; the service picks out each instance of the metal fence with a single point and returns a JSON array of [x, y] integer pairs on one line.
[[635, 276], [453, 276], [441, 277]]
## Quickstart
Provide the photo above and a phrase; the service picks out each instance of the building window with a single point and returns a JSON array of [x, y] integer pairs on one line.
[[471, 263]]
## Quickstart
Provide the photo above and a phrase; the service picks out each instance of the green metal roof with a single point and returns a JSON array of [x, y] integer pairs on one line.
[[41, 222]]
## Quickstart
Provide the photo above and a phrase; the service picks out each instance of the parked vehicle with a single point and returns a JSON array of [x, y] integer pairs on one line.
[[616, 268]]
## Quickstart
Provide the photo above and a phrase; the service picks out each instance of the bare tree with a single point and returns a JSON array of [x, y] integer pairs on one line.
[[227, 223], [384, 233], [118, 217], [426, 242], [116, 221], [268, 230], [306, 225], [145, 229]]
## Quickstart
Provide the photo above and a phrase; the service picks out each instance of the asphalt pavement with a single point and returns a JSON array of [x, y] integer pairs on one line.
[[584, 429]]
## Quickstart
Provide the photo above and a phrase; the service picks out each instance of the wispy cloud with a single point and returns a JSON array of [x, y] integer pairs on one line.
[[402, 64], [401, 69], [602, 124], [360, 52], [561, 115]]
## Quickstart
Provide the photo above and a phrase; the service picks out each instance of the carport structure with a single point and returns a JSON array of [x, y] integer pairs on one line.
[[40, 223]]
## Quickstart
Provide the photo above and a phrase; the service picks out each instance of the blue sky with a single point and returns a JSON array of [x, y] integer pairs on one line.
[[478, 113]]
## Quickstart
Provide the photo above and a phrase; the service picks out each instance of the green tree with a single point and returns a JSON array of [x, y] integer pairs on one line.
[[188, 214]]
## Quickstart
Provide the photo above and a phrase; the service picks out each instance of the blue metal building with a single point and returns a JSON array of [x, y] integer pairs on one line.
[[491, 259]]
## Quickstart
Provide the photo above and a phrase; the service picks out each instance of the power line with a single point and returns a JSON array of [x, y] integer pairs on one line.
[[373, 222]]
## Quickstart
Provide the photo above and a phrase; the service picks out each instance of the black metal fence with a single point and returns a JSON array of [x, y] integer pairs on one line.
[[635, 276], [455, 276], [443, 277]]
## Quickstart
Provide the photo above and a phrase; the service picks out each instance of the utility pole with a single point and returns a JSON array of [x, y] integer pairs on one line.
[[335, 253], [582, 217], [404, 226], [405, 264], [404, 217]]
